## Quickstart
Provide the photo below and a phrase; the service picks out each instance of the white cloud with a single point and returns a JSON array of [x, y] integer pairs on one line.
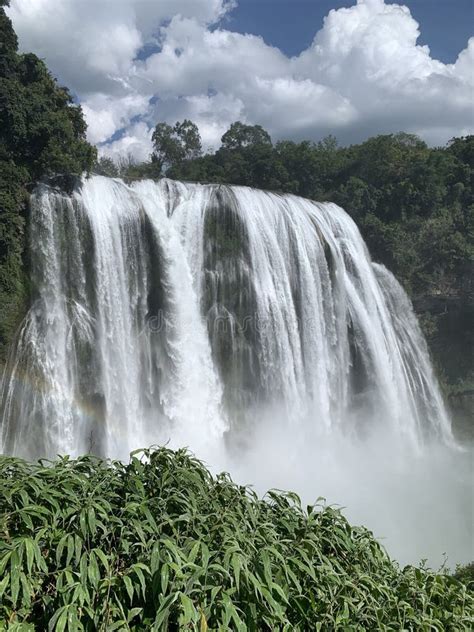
[[363, 74], [464, 67], [89, 45], [106, 114], [136, 142], [194, 59], [368, 54]]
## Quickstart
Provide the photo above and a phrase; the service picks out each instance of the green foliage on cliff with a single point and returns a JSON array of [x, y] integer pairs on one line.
[[159, 544], [41, 132]]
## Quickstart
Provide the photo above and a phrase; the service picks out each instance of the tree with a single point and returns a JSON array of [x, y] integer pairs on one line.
[[463, 149], [240, 135], [105, 166], [188, 133], [8, 42], [42, 132], [174, 145], [328, 144]]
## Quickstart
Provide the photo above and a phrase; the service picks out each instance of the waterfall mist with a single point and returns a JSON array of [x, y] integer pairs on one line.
[[251, 327]]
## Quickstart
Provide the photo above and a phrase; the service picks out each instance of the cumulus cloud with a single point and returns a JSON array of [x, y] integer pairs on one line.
[[106, 114], [135, 142], [368, 54], [134, 62]]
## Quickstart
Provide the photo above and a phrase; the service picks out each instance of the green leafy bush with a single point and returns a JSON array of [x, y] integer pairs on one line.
[[159, 544]]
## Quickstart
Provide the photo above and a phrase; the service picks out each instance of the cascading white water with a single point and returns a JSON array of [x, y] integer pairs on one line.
[[185, 311], [252, 327]]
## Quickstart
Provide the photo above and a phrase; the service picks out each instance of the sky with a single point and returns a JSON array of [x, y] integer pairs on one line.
[[446, 25], [302, 69]]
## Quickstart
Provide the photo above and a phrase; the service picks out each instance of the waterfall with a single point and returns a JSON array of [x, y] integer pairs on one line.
[[189, 312]]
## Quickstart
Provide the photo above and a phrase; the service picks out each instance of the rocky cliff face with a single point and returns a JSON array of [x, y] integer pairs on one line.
[[448, 323]]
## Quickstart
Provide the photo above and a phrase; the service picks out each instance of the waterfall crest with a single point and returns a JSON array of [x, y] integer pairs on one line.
[[186, 311]]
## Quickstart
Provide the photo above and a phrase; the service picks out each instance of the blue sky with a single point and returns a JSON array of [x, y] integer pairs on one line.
[[302, 69], [289, 24]]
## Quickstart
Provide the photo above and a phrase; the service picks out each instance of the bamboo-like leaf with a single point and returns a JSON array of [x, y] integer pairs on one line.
[[70, 549], [158, 543], [128, 586], [236, 565], [30, 554], [93, 570], [164, 610], [188, 608], [4, 583], [62, 620], [15, 577], [83, 523], [26, 591], [165, 571], [91, 521]]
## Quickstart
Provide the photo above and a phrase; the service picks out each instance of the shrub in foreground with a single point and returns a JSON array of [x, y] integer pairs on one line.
[[160, 544]]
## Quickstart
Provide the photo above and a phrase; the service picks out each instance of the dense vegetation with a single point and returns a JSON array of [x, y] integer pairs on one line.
[[159, 544], [41, 132]]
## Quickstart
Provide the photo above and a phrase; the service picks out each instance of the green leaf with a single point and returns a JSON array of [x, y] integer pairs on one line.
[[103, 558], [194, 552], [93, 570], [129, 586], [165, 572], [4, 583], [61, 614], [236, 565], [134, 612], [26, 591], [189, 610], [83, 523], [117, 625], [77, 549], [63, 620], [91, 520], [155, 558], [164, 610], [15, 577], [70, 549], [30, 554]]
